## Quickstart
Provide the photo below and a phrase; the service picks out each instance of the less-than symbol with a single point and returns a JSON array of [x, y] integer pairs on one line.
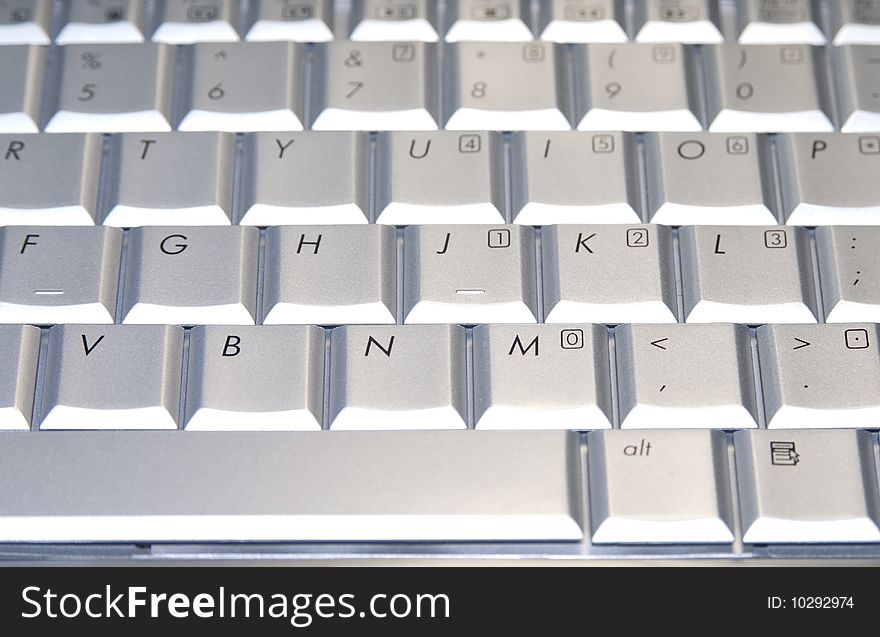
[[657, 344]]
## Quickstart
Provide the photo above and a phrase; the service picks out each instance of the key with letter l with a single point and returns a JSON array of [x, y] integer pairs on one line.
[[112, 377], [747, 274]]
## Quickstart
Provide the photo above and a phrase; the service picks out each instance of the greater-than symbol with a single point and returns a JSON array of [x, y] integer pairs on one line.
[[658, 342], [801, 343]]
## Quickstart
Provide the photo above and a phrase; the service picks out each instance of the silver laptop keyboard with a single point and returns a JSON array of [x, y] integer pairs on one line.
[[259, 259]]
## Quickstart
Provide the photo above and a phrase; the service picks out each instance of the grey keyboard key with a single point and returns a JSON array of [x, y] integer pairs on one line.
[[685, 376], [330, 275], [855, 21], [306, 177], [49, 179], [541, 377], [685, 21], [113, 88], [608, 274], [154, 486], [766, 89], [775, 22], [807, 486], [191, 276], [383, 20], [817, 376], [635, 87], [103, 21], [830, 179], [19, 350], [297, 20], [857, 74], [224, 93], [59, 275], [112, 377], [170, 179], [375, 86], [21, 68], [773, 281], [391, 377], [25, 22], [667, 487], [469, 274], [685, 170], [255, 379], [184, 22], [506, 86], [849, 273], [488, 20], [582, 21], [573, 177], [416, 172]]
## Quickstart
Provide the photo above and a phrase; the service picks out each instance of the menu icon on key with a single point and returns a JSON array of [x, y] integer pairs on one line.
[[783, 454]]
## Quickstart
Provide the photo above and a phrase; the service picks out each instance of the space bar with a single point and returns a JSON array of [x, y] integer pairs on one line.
[[143, 487]]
